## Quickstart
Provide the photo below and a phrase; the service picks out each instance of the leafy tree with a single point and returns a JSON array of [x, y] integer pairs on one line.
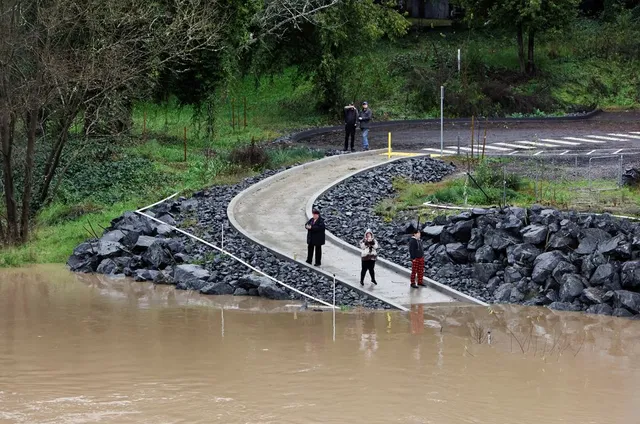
[[524, 17], [323, 46]]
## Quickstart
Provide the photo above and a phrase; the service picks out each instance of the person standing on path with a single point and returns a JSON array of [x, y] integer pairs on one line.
[[350, 124], [416, 251], [369, 246], [364, 117], [315, 237]]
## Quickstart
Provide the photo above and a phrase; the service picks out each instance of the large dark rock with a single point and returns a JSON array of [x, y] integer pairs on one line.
[[503, 293], [590, 238], [603, 309], [477, 239], [544, 265], [157, 256], [592, 295], [571, 287], [143, 243], [534, 234], [563, 241], [250, 281], [190, 277], [522, 254], [108, 267], [84, 264], [610, 245], [628, 300], [604, 274], [108, 249], [433, 230], [499, 239], [145, 275], [562, 269], [115, 235], [512, 274], [590, 263], [458, 253], [563, 306], [484, 272], [461, 230], [484, 254], [630, 275], [218, 289], [271, 290]]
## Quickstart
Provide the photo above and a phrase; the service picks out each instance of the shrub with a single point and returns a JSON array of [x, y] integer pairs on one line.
[[252, 156]]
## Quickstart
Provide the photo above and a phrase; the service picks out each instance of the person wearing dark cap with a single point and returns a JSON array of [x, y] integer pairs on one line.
[[364, 117], [416, 251], [315, 237], [350, 124]]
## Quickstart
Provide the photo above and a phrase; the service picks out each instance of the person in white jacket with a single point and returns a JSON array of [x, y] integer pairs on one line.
[[369, 246]]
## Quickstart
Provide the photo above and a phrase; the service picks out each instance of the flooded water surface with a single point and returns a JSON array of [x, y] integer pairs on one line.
[[81, 349]]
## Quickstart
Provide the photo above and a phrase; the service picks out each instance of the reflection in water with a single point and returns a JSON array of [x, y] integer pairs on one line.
[[85, 349]]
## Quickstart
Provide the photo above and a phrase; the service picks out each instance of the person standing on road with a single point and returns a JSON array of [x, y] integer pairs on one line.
[[315, 237], [416, 251], [364, 117], [350, 124], [369, 246]]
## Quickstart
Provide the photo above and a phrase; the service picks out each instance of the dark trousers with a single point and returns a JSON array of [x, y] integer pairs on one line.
[[368, 266], [349, 131], [318, 250]]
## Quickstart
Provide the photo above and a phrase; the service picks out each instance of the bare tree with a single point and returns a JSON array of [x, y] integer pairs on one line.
[[59, 56], [278, 15]]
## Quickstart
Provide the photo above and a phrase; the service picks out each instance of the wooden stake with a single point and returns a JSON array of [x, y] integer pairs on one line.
[[472, 127], [233, 114], [484, 141], [185, 144]]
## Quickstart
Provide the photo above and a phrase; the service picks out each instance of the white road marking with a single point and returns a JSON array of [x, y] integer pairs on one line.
[[586, 140], [590, 152], [634, 132], [625, 135], [564, 153], [513, 153], [568, 143], [466, 149], [449, 152], [504, 149], [515, 146], [536, 143], [601, 137], [616, 152], [537, 153]]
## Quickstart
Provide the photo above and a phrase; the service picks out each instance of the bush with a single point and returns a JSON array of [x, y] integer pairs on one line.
[[252, 156]]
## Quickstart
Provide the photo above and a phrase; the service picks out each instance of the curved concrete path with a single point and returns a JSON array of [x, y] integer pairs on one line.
[[272, 213]]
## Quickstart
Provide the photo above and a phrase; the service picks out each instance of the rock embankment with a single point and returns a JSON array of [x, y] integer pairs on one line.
[[536, 256], [147, 251]]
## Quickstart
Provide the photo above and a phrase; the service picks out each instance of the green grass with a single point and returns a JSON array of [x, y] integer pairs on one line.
[[596, 196]]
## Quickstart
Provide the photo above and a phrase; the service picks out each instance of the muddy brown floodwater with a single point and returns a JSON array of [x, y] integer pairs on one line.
[[79, 349]]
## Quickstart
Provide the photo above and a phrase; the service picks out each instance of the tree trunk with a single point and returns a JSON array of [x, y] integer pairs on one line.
[[54, 161], [32, 122], [521, 58], [531, 67], [6, 140]]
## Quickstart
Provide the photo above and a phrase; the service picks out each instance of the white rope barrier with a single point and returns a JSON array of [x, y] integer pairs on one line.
[[230, 254]]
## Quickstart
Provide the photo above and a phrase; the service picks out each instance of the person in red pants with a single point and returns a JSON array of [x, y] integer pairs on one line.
[[416, 251]]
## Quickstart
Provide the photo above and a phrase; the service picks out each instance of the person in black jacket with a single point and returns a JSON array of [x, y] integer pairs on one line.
[[416, 251], [350, 124], [315, 237]]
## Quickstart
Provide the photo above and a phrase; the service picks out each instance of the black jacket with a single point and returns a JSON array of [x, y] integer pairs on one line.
[[415, 248], [350, 115], [364, 117], [315, 236]]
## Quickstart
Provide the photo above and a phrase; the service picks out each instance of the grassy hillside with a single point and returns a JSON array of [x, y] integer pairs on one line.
[[593, 64]]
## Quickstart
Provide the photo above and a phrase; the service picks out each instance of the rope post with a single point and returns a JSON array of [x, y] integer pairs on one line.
[[441, 120], [458, 60], [389, 147], [185, 144], [334, 307]]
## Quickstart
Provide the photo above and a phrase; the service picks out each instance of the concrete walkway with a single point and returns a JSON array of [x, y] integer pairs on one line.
[[272, 213]]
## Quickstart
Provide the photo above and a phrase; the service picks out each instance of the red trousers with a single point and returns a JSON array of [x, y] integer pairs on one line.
[[417, 270]]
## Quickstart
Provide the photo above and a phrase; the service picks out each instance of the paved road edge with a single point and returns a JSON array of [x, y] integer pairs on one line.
[[259, 185], [384, 262]]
